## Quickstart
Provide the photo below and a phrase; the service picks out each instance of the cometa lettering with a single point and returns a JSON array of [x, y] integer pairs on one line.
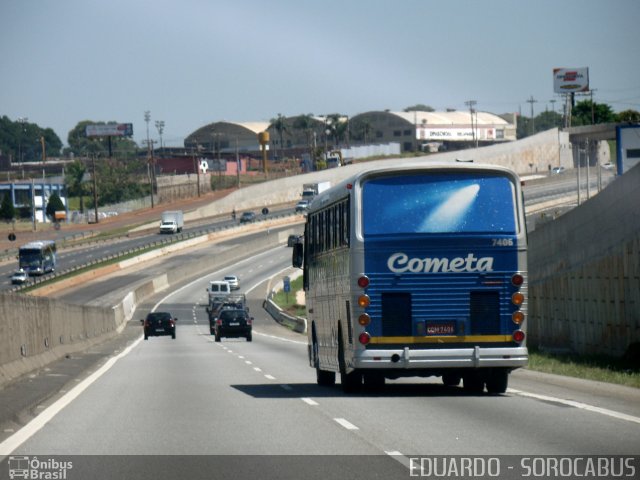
[[401, 263]]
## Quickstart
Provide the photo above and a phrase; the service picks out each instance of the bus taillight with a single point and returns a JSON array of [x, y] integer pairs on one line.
[[518, 336], [364, 338], [517, 279], [517, 298], [364, 301], [517, 317], [363, 281], [364, 319]]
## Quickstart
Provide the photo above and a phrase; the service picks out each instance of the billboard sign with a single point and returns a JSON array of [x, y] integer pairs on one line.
[[110, 130], [568, 80], [455, 134]]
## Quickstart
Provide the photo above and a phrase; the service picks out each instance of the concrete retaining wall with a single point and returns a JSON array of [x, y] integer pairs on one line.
[[584, 276]]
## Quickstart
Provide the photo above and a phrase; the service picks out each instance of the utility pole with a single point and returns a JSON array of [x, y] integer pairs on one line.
[[95, 187], [471, 104], [160, 127], [532, 101], [593, 110]]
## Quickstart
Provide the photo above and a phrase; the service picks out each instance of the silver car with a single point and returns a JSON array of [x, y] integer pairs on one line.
[[19, 277], [233, 281]]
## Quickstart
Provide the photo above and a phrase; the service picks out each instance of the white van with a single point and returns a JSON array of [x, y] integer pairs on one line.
[[218, 289]]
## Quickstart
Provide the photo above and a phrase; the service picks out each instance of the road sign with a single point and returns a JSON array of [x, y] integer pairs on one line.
[[286, 281]]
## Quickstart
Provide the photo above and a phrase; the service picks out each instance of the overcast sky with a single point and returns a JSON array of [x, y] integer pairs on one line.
[[193, 62]]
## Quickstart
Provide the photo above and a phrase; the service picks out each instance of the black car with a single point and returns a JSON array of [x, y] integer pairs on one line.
[[233, 322], [248, 217], [159, 323]]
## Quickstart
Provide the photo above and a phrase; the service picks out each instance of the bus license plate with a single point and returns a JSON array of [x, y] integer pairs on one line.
[[441, 328]]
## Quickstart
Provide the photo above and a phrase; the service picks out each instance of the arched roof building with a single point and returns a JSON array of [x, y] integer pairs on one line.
[[226, 137], [413, 130]]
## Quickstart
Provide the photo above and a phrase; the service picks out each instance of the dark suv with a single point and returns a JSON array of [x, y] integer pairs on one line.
[[159, 323], [233, 322]]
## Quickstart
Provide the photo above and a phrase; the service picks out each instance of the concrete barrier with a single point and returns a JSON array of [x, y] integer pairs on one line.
[[584, 275]]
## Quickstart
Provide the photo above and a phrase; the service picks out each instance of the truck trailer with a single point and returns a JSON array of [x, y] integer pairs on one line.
[[172, 221]]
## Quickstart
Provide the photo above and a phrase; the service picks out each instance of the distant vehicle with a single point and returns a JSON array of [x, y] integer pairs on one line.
[[247, 217], [218, 291], [159, 323], [293, 239], [172, 221], [302, 206], [334, 159], [557, 170], [233, 323], [608, 166], [38, 258], [310, 190], [19, 277], [234, 302], [233, 281]]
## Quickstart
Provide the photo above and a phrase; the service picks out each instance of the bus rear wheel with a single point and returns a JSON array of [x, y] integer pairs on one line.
[[351, 382], [498, 380], [325, 378]]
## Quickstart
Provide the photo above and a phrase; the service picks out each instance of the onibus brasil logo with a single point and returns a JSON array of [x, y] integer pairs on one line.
[[34, 468]]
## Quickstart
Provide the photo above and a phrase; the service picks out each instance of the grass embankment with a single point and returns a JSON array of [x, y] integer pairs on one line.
[[599, 368]]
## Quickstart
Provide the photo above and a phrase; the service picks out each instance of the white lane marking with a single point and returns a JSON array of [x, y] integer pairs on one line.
[[241, 357], [346, 424], [270, 377], [583, 406], [257, 369], [308, 401], [279, 338], [26, 432], [248, 362]]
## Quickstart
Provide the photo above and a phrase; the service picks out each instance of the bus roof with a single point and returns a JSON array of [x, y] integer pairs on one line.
[[38, 244], [340, 190]]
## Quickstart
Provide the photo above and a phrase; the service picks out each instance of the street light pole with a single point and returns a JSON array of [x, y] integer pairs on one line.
[[160, 127]]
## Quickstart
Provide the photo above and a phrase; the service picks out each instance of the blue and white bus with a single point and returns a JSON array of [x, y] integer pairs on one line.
[[38, 258], [417, 271]]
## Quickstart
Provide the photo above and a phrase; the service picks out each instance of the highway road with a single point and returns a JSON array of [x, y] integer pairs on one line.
[[259, 401]]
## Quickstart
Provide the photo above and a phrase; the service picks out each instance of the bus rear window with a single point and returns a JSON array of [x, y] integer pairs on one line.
[[439, 203]]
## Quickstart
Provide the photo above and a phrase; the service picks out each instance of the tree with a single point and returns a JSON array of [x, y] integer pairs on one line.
[[305, 123], [7, 209], [22, 140], [53, 205], [80, 144], [419, 108], [591, 113], [74, 179], [280, 125], [630, 116], [337, 127], [119, 181], [548, 120]]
